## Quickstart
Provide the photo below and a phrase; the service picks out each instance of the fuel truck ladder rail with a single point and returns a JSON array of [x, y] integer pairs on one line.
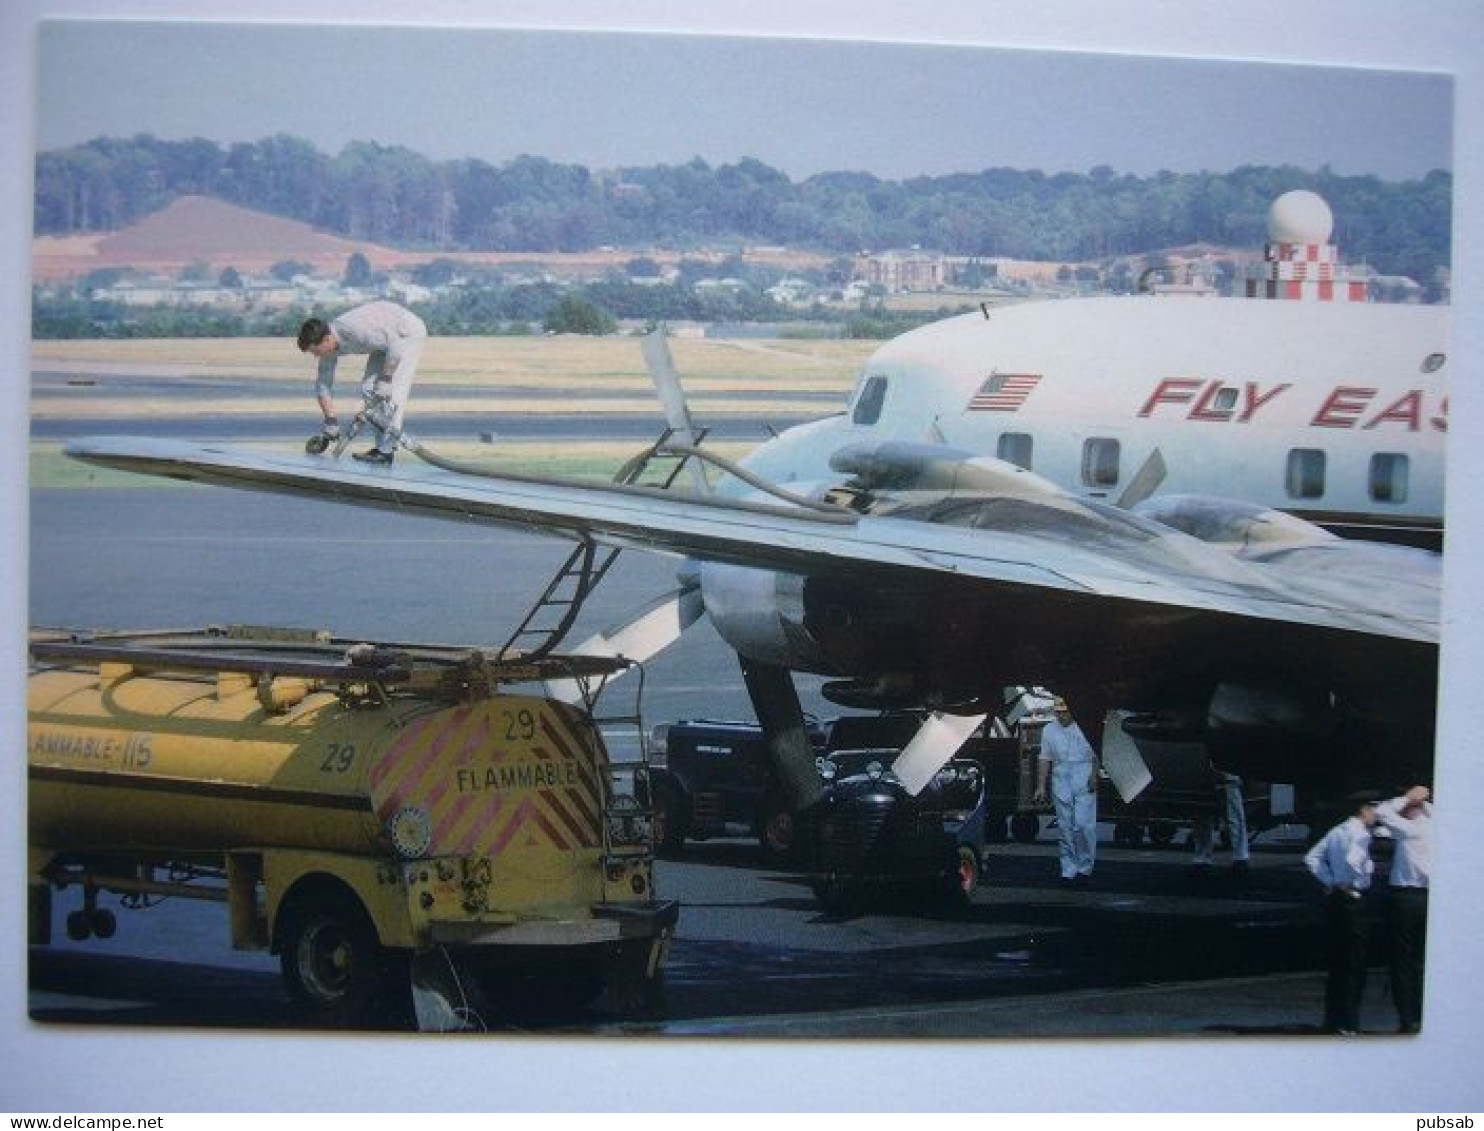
[[627, 798], [551, 617]]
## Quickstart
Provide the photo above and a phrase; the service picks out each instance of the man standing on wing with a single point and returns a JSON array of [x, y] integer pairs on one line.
[[392, 337]]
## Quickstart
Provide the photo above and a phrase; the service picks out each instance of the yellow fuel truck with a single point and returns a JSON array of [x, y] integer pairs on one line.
[[359, 809]]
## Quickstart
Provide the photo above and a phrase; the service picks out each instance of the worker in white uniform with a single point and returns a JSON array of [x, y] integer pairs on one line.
[[392, 337], [1203, 829], [1066, 758], [1341, 861], [1408, 821]]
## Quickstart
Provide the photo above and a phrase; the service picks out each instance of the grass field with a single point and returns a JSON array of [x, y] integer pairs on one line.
[[559, 363]]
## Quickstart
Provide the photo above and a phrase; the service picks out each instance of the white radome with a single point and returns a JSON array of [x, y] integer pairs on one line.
[[1300, 217]]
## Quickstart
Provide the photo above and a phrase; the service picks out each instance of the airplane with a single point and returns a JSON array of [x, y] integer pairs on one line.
[[1145, 536], [1334, 412]]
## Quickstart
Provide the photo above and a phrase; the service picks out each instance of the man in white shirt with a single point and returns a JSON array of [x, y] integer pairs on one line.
[[392, 337], [1341, 861], [1066, 758], [1408, 821]]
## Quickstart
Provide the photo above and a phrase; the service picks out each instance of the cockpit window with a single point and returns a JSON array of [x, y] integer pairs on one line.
[[868, 404]]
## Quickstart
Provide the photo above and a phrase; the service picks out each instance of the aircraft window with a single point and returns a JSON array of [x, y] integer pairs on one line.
[[1226, 398], [1016, 448], [868, 404], [1389, 477], [1305, 473], [1100, 462]]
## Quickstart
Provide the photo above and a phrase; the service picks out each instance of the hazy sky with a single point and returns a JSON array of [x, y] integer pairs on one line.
[[804, 106]]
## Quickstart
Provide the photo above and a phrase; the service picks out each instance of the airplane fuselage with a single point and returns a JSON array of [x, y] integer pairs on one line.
[[1334, 412]]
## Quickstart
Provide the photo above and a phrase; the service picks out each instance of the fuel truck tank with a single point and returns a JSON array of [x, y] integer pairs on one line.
[[404, 797]]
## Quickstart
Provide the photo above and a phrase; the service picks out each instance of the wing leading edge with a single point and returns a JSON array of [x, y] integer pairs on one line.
[[1062, 545]]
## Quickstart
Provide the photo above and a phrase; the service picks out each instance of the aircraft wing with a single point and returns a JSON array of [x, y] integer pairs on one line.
[[1056, 543]]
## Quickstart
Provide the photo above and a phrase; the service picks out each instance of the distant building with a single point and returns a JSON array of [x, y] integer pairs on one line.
[[904, 270], [252, 294], [792, 292]]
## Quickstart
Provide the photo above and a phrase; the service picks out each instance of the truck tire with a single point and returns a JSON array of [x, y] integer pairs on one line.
[[330, 957], [778, 831], [960, 884]]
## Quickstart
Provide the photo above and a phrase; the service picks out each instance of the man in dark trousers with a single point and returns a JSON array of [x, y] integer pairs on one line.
[[1341, 861], [1408, 821]]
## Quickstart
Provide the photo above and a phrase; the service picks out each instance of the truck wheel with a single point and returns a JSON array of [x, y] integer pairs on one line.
[[1025, 827], [79, 926], [965, 876], [778, 832], [104, 922], [330, 957]]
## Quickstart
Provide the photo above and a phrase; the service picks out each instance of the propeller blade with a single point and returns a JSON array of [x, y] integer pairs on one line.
[[1145, 482], [940, 737], [647, 633], [672, 399]]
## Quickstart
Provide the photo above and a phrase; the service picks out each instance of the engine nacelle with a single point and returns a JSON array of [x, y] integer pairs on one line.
[[761, 614], [825, 625]]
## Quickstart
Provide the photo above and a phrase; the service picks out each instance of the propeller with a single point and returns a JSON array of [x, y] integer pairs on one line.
[[662, 372], [645, 634], [1145, 482], [938, 739], [656, 625]]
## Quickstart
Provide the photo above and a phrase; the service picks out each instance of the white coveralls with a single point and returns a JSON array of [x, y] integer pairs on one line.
[[393, 337], [1203, 831], [1073, 794]]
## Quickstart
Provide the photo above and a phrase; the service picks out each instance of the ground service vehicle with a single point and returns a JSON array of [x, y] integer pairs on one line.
[[363, 811], [869, 836], [716, 778]]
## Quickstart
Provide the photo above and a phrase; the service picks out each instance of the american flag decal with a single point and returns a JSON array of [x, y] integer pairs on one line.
[[1004, 392]]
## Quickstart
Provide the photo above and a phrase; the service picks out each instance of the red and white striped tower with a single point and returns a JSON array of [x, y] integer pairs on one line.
[[1299, 262]]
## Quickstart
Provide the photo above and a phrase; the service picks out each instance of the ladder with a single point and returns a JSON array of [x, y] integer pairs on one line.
[[551, 617]]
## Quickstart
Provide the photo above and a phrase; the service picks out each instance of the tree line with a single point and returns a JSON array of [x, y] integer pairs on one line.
[[395, 196]]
